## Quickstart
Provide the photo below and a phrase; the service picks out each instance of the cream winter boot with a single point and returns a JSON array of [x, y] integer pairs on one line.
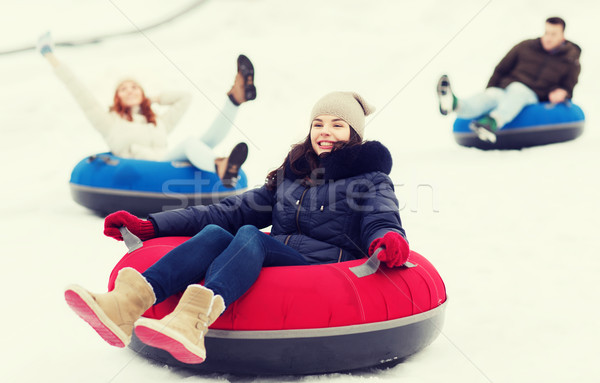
[[218, 306], [181, 333], [113, 314]]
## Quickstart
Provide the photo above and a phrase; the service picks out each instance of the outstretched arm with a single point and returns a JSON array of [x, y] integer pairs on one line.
[[253, 207], [94, 111]]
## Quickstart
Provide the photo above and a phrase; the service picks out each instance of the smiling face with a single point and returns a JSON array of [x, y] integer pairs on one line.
[[553, 37], [130, 93], [325, 130]]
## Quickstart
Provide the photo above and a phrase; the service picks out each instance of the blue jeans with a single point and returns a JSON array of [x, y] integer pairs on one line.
[[228, 264], [503, 105]]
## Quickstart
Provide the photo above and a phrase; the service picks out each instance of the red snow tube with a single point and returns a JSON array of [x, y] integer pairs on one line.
[[311, 319]]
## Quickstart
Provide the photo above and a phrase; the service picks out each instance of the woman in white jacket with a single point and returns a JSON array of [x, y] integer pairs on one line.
[[131, 129]]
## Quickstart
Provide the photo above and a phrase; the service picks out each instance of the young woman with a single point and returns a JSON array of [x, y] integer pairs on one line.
[[330, 201], [132, 129]]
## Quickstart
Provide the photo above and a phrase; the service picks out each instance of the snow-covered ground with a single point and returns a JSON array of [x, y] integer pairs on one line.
[[512, 233]]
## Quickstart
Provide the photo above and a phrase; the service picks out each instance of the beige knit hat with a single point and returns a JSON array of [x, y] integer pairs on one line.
[[349, 106]]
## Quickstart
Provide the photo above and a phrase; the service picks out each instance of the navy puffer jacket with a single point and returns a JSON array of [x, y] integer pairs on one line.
[[335, 220]]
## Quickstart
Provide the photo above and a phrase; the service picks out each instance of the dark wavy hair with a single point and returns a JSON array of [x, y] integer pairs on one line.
[[304, 151]]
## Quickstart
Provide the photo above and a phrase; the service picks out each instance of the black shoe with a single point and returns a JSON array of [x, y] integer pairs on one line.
[[446, 97], [246, 69], [234, 162]]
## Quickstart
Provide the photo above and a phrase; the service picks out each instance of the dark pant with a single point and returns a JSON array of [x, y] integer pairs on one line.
[[228, 264]]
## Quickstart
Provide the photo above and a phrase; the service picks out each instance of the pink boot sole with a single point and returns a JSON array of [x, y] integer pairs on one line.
[[157, 339], [87, 313]]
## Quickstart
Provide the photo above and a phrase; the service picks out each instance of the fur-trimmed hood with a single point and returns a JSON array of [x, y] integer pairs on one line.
[[370, 156]]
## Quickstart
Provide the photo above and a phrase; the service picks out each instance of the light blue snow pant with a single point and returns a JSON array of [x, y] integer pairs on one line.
[[199, 151], [503, 105]]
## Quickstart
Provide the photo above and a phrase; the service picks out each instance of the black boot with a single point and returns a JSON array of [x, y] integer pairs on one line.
[[234, 162], [243, 89]]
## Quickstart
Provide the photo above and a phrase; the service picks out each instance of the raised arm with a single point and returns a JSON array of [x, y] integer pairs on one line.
[[178, 102], [98, 116]]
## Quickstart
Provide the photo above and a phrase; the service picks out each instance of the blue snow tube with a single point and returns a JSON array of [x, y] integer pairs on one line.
[[538, 124], [106, 183]]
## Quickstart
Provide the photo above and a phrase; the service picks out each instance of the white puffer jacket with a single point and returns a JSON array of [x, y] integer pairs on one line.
[[129, 139]]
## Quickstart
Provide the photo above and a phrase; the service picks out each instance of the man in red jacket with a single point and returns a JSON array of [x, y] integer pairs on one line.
[[541, 69]]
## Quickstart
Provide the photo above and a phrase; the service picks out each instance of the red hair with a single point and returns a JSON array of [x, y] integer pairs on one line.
[[125, 111]]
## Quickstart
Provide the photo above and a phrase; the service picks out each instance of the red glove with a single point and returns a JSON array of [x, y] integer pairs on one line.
[[394, 250], [139, 227]]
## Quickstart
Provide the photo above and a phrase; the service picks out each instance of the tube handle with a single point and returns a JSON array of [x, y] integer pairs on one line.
[[131, 241], [372, 264]]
